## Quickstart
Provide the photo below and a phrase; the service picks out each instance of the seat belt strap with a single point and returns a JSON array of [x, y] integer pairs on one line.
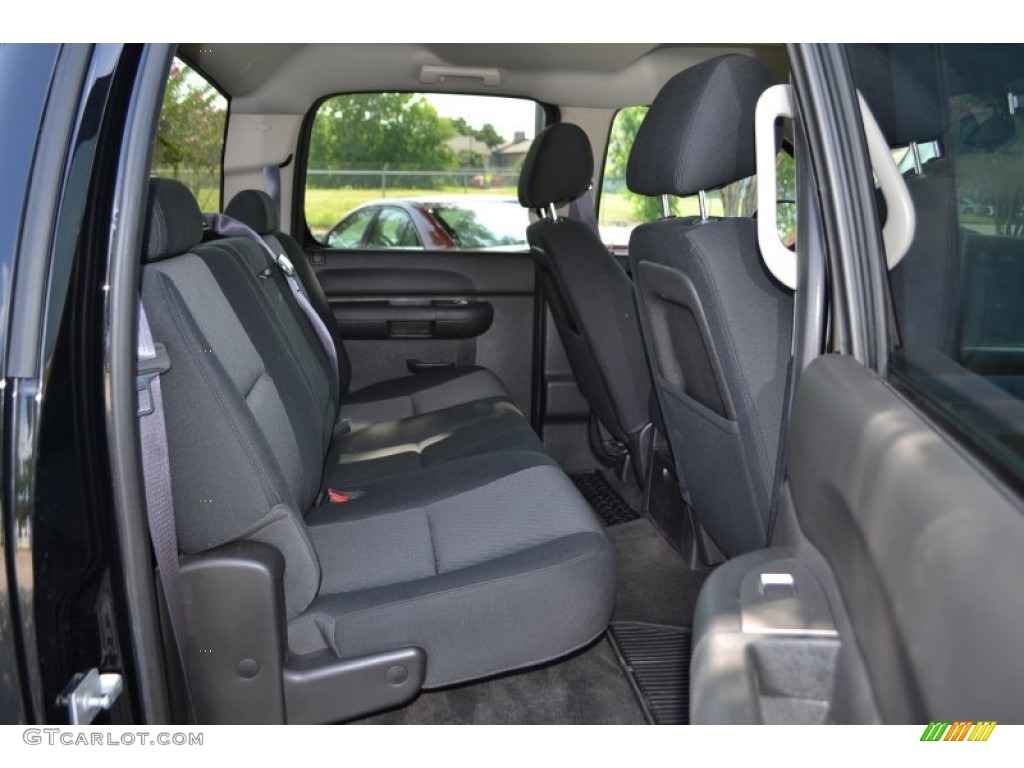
[[787, 408], [780, 457], [272, 182], [226, 226], [272, 179], [152, 361], [582, 209]]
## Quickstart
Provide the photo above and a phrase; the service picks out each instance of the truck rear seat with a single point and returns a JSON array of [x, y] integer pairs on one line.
[[387, 400], [477, 549], [396, 426]]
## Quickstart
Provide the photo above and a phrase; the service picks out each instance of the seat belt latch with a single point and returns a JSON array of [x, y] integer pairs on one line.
[[286, 265], [147, 369]]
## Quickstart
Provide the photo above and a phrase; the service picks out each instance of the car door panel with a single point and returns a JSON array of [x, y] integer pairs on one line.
[[399, 310], [504, 272], [365, 304], [924, 544], [385, 280], [892, 588], [414, 318]]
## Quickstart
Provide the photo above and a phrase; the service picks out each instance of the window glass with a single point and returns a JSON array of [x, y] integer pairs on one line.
[[442, 159], [190, 137], [622, 210], [349, 231], [482, 223], [393, 229], [957, 295], [990, 156]]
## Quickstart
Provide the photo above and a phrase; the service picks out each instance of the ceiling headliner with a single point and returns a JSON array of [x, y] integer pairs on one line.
[[288, 78]]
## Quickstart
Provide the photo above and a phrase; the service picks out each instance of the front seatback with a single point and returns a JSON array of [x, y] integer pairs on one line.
[[257, 210], [590, 296], [717, 326]]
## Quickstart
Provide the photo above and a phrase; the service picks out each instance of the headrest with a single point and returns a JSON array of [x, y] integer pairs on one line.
[[558, 168], [174, 223], [900, 83], [256, 209], [699, 132]]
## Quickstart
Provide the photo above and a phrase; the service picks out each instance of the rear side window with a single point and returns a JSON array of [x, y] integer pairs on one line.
[[190, 137], [621, 210], [958, 293], [393, 228], [418, 171]]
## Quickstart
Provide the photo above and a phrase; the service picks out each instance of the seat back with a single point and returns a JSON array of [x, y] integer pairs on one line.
[[246, 441], [257, 210], [590, 296], [716, 324]]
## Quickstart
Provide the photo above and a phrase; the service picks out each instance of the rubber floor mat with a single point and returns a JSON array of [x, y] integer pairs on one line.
[[605, 500], [657, 661]]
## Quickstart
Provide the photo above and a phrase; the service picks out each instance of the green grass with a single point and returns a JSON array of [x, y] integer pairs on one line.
[[618, 209], [207, 198]]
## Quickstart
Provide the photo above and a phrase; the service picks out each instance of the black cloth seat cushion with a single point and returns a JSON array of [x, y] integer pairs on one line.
[[441, 563]]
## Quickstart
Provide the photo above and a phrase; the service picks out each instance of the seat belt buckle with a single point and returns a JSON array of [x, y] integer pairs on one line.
[[147, 369]]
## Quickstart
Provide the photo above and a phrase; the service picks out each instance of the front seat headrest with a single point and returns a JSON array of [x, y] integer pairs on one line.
[[699, 132], [558, 168]]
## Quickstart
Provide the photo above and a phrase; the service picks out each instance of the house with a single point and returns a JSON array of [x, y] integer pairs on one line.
[[471, 151], [511, 155]]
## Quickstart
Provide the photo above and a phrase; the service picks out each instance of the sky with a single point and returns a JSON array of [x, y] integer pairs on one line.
[[506, 115]]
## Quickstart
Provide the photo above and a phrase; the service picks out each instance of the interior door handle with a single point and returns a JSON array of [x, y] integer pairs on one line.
[[419, 366], [413, 318]]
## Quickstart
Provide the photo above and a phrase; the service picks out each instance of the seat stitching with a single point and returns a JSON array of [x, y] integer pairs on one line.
[[433, 543]]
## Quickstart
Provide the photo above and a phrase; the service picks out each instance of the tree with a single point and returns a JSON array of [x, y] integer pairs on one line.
[[740, 197], [470, 159], [620, 143], [374, 131], [190, 134], [489, 135]]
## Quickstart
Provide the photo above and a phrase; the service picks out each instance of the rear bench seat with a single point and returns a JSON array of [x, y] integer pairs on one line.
[[397, 425], [464, 540], [387, 400]]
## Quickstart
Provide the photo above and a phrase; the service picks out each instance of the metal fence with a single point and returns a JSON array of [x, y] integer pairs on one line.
[[387, 178], [193, 177]]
